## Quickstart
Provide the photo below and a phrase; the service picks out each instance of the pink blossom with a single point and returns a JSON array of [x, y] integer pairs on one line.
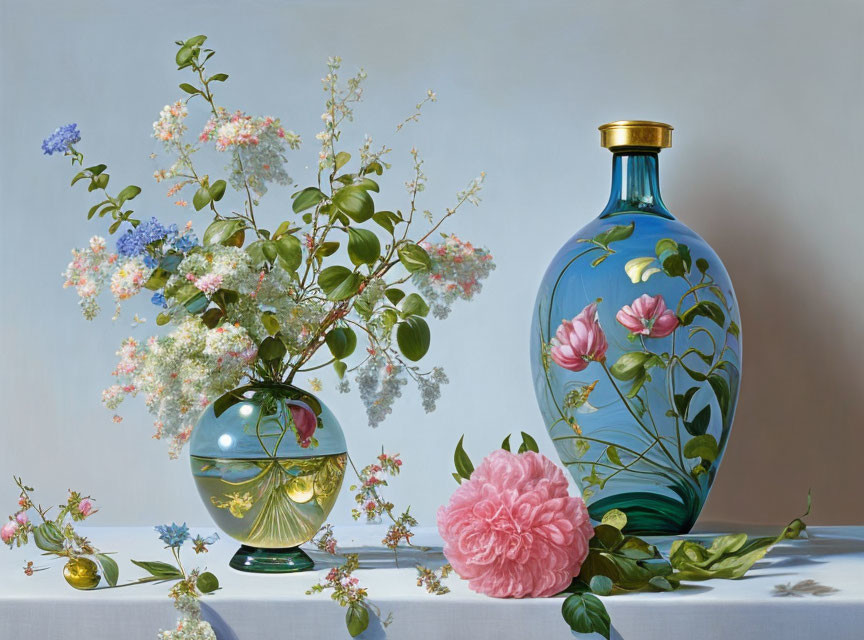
[[648, 316], [7, 531], [21, 518], [512, 530], [579, 341], [85, 507], [305, 422], [209, 283]]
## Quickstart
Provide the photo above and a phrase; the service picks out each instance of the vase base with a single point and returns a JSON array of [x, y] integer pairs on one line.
[[255, 560], [648, 514]]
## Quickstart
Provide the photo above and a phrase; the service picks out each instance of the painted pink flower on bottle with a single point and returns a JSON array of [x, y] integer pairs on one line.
[[648, 316], [579, 341], [512, 530], [305, 422]]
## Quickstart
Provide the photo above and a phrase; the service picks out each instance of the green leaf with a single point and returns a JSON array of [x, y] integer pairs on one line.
[[48, 537], [197, 303], [615, 518], [706, 308], [290, 251], [612, 454], [506, 444], [128, 193], [188, 88], [157, 279], [630, 365], [221, 230], [272, 349], [110, 570], [700, 422], [161, 570], [387, 219], [413, 338], [585, 613], [217, 190], [659, 582], [229, 399], [195, 41], [210, 318], [184, 55], [269, 251], [218, 77], [702, 265], [704, 446], [207, 582], [464, 466], [529, 443], [339, 283], [256, 252], [270, 322], [674, 257], [326, 249], [601, 585], [356, 618], [734, 329], [721, 390], [354, 202], [201, 198], [307, 198], [341, 341], [341, 159], [363, 246], [615, 234], [414, 305], [414, 258], [162, 319], [340, 368], [394, 295]]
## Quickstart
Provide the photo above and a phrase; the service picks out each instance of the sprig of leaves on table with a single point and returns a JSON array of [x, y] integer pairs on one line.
[[619, 563]]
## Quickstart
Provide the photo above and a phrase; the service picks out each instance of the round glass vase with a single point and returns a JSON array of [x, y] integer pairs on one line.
[[268, 464], [636, 350]]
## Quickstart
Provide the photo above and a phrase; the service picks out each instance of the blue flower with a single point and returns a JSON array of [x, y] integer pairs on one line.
[[184, 243], [135, 241], [173, 535], [150, 262], [159, 299], [62, 138]]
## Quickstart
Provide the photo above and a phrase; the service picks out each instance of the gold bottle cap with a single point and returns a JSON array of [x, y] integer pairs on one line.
[[635, 134]]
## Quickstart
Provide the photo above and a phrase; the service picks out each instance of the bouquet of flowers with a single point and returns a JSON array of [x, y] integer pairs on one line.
[[249, 302]]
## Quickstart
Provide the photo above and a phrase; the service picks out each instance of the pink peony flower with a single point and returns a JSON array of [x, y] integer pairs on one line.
[[648, 316], [21, 518], [579, 342], [85, 507], [512, 530], [305, 422], [7, 531]]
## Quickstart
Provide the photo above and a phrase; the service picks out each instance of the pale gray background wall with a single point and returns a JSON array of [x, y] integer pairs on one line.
[[766, 100]]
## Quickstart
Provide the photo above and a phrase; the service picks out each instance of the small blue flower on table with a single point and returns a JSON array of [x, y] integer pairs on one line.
[[173, 535]]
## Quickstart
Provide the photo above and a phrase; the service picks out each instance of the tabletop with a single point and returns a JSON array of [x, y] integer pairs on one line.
[[252, 606]]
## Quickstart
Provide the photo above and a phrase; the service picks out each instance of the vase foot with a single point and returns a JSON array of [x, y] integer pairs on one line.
[[648, 513], [255, 560]]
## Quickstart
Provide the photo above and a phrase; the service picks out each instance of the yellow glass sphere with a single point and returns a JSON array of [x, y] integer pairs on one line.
[[81, 573]]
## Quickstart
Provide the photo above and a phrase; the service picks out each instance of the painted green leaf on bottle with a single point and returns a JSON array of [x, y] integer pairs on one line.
[[700, 422], [704, 447], [707, 309]]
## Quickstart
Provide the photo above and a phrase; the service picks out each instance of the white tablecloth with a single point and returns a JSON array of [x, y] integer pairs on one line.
[[250, 606]]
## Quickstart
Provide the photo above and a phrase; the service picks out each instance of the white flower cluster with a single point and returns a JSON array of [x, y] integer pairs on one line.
[[457, 271], [190, 626], [128, 279], [430, 388], [170, 126], [379, 383], [88, 272], [220, 267], [181, 373]]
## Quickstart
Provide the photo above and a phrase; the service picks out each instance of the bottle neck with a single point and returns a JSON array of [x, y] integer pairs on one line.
[[635, 185]]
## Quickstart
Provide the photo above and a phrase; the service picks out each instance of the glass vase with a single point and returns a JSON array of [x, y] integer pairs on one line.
[[636, 349], [268, 463]]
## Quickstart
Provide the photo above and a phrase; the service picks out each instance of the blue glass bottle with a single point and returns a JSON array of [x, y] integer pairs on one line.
[[636, 349]]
